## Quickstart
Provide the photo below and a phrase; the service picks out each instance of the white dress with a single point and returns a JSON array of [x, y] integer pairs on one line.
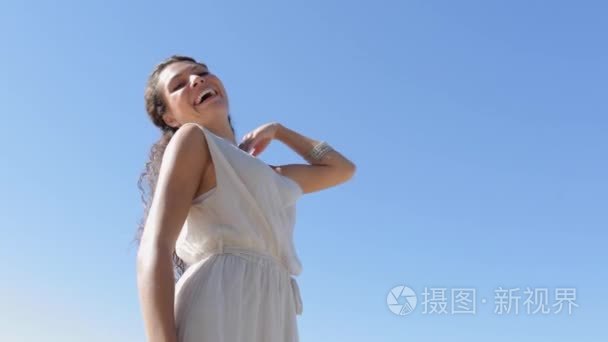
[[237, 242]]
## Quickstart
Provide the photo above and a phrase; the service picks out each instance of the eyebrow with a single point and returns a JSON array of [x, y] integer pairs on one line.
[[193, 67]]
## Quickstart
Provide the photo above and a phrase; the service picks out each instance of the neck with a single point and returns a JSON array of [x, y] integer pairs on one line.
[[223, 130]]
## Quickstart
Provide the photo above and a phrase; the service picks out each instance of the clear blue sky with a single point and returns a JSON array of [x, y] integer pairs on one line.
[[478, 128]]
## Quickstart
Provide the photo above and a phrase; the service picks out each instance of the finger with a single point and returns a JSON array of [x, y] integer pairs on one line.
[[251, 146], [247, 137], [244, 143]]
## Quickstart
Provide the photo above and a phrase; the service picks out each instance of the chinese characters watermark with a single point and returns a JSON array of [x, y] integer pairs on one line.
[[402, 300]]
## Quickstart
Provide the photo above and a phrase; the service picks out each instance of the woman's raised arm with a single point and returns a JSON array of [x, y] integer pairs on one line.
[[333, 169]]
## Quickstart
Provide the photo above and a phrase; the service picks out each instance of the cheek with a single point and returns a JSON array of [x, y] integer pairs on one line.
[[223, 90], [179, 103], [219, 84], [171, 107]]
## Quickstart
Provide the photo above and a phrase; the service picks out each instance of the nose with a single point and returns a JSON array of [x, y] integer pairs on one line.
[[196, 79]]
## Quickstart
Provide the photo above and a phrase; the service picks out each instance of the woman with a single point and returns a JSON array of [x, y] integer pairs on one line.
[[222, 215]]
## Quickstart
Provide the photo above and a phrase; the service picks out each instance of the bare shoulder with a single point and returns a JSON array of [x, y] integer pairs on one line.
[[187, 148], [188, 139]]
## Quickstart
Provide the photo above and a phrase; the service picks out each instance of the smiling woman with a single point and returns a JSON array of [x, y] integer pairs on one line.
[[223, 215], [156, 107]]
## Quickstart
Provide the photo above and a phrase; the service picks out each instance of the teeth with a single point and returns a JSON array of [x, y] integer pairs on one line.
[[206, 91]]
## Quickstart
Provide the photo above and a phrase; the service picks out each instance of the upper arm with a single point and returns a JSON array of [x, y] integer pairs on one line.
[[313, 177], [183, 163]]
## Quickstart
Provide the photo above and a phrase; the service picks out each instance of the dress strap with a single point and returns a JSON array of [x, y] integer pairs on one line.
[[220, 164]]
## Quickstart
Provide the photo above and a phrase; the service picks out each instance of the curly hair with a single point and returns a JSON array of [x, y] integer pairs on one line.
[[156, 108]]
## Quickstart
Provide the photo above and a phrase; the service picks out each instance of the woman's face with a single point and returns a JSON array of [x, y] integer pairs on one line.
[[192, 94]]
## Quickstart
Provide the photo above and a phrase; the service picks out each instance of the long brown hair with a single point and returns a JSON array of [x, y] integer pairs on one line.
[[156, 108]]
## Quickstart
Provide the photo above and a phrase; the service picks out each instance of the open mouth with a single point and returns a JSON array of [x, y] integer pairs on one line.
[[205, 96]]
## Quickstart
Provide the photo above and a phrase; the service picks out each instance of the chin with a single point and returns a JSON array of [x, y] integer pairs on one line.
[[213, 111]]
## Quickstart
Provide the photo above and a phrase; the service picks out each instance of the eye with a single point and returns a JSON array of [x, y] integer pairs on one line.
[[203, 73], [179, 85]]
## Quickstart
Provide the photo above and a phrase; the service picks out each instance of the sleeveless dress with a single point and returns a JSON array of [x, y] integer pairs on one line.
[[237, 243]]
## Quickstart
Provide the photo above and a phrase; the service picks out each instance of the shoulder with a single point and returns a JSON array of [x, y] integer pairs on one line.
[[188, 132], [188, 145], [188, 137]]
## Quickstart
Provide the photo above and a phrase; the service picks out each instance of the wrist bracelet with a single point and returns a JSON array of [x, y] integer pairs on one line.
[[320, 150]]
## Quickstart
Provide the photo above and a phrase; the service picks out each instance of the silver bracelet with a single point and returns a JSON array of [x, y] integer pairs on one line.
[[320, 150]]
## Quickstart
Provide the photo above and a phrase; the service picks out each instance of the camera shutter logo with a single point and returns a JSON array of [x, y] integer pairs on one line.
[[401, 300]]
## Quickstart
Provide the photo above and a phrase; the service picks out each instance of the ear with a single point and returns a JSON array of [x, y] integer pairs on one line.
[[170, 120]]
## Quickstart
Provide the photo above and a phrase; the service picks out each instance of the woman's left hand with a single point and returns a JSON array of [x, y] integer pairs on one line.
[[257, 140]]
